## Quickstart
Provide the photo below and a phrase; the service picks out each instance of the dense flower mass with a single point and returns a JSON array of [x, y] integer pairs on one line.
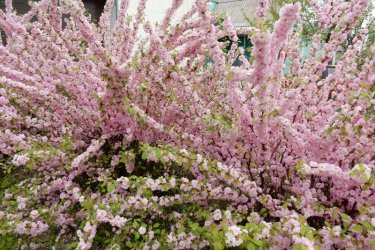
[[114, 140]]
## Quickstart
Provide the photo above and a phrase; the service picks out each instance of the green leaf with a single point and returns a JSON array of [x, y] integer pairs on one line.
[[259, 243], [194, 226], [367, 225], [111, 187], [250, 246], [179, 161], [330, 130], [218, 245], [135, 224], [68, 167], [372, 243], [275, 113], [137, 235], [345, 217], [30, 166], [131, 111], [164, 187], [180, 230], [357, 228], [305, 230], [146, 192], [201, 168], [144, 155], [370, 111], [299, 165], [263, 211]]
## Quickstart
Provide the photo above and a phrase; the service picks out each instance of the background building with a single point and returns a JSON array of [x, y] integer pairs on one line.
[[240, 11]]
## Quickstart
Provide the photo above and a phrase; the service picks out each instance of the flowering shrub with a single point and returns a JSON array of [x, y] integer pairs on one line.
[[112, 140]]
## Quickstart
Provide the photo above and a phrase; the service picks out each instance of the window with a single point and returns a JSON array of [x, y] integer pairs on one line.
[[244, 42]]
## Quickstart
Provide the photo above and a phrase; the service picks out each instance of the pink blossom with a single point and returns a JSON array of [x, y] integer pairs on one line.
[[20, 160], [142, 230]]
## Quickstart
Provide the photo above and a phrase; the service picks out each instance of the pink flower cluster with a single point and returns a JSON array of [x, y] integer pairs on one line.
[[112, 139], [262, 9]]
